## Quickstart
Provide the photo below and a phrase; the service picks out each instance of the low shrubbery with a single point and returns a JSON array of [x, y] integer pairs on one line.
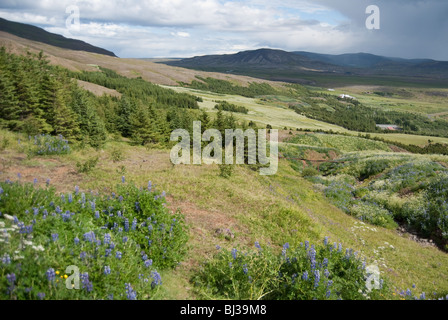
[[303, 273], [118, 241]]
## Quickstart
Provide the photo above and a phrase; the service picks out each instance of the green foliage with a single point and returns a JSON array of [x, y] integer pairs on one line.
[[225, 87], [226, 106], [309, 172], [116, 154], [302, 273], [225, 170], [88, 165], [131, 233]]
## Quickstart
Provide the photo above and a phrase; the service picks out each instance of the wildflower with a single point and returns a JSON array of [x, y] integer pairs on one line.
[[134, 224], [156, 279], [86, 284], [245, 270], [423, 296], [11, 278], [89, 236], [118, 255], [55, 237], [307, 245], [326, 241], [51, 275], [316, 278], [218, 247], [257, 245], [120, 198], [149, 186], [76, 190], [107, 238], [328, 294], [6, 259], [48, 182], [131, 294], [305, 276], [76, 240], [83, 255], [35, 181], [123, 180], [234, 251], [41, 295], [148, 263], [106, 270], [326, 273]]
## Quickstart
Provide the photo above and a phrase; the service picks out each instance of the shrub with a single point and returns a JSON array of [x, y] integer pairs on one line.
[[309, 172], [303, 273], [88, 165], [225, 170]]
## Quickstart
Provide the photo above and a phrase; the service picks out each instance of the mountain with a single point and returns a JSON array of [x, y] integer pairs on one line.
[[261, 58], [29, 32], [301, 66]]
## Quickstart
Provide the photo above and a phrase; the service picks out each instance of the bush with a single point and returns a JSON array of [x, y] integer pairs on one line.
[[309, 172], [116, 155], [88, 165], [118, 242], [303, 273], [225, 170]]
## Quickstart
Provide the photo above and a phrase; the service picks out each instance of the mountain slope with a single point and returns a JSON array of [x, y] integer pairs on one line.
[[27, 31], [294, 66]]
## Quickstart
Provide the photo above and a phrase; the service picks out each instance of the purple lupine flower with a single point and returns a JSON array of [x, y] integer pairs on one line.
[[257, 245], [107, 252], [234, 251], [245, 269], [35, 181], [41, 295], [316, 278], [6, 259], [118, 255], [83, 255], [125, 239], [70, 198], [126, 224], [120, 198], [76, 240], [123, 180], [148, 263], [107, 238], [55, 237], [11, 278], [134, 224], [305, 276], [48, 182], [51, 275], [89, 236], [218, 247], [131, 294], [35, 211], [106, 270], [156, 279], [149, 186], [326, 241]]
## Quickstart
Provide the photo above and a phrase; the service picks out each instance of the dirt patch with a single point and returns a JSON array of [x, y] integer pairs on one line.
[[98, 90], [207, 228], [313, 155], [397, 149]]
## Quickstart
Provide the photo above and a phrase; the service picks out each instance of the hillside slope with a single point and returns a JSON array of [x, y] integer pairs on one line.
[[30, 32]]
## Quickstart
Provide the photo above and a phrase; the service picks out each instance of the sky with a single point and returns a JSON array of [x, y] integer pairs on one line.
[[186, 28]]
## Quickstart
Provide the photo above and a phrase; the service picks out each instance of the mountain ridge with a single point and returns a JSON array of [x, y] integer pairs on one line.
[[34, 33]]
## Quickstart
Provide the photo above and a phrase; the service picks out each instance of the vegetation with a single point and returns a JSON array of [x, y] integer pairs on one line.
[[109, 238], [225, 106]]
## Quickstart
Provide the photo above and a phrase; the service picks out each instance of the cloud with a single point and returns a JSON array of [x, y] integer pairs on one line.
[[132, 28]]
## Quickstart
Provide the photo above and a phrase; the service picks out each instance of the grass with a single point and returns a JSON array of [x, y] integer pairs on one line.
[[270, 209]]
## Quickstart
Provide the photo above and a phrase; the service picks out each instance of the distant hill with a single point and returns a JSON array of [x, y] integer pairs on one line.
[[293, 66], [30, 32]]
